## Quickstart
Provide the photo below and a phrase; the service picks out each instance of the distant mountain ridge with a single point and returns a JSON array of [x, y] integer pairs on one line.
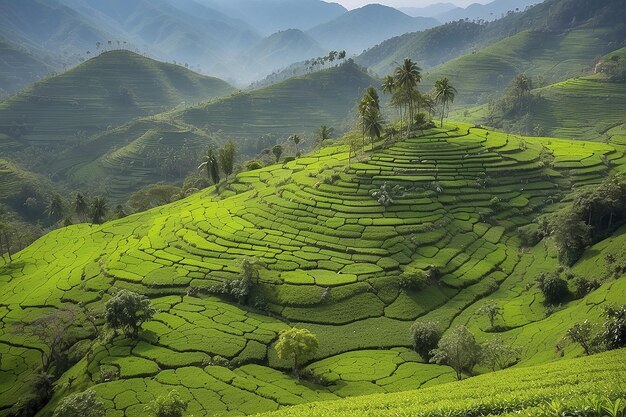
[[369, 25]]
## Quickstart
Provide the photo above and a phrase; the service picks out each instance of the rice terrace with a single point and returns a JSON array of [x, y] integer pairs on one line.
[[306, 208]]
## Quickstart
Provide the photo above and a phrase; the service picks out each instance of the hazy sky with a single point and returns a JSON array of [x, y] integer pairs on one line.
[[351, 4]]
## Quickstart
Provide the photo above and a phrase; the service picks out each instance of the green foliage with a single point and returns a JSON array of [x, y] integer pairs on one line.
[[584, 285], [210, 164], [615, 327], [152, 196], [412, 278], [584, 335], [99, 210], [83, 404], [458, 349], [127, 310], [553, 287], [277, 151], [168, 405], [530, 235], [227, 157], [444, 94], [425, 337], [296, 344], [492, 311], [497, 355]]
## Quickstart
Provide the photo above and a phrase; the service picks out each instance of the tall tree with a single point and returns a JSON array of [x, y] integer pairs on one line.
[[407, 77], [55, 207], [368, 108], [81, 206], [278, 152], [227, 157], [5, 240], [296, 139], [127, 310], [323, 133], [444, 94], [99, 210], [211, 165], [458, 349], [372, 124]]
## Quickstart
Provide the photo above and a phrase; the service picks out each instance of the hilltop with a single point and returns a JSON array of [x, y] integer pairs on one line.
[[488, 56], [129, 156], [362, 28], [108, 90], [315, 228]]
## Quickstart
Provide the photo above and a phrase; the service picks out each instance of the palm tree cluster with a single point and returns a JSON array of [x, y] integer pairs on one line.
[[322, 61], [406, 97], [223, 159], [370, 115]]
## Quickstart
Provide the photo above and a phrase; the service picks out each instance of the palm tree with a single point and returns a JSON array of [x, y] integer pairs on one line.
[[373, 124], [368, 104], [55, 208], [5, 240], [81, 207], [444, 94], [324, 132], [407, 76], [99, 209], [296, 141], [210, 164]]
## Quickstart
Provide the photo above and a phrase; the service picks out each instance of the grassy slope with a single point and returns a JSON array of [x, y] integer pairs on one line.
[[312, 234], [13, 179], [18, 68], [87, 98], [588, 108], [526, 390], [299, 105], [555, 56]]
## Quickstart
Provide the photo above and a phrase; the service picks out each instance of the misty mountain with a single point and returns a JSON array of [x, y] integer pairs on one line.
[[362, 28], [279, 50], [428, 11], [270, 16], [488, 12], [19, 67]]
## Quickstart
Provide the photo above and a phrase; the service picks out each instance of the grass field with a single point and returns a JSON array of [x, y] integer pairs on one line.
[[313, 225]]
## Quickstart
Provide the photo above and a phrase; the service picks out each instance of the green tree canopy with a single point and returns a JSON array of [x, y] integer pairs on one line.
[[458, 349], [296, 344], [127, 311]]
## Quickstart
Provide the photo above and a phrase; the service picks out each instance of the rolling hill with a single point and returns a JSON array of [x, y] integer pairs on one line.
[[19, 68], [490, 11], [315, 229], [486, 49], [367, 26], [106, 91], [118, 158]]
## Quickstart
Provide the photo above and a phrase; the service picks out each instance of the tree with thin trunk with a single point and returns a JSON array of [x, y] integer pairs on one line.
[[55, 207], [444, 94], [296, 344], [278, 152], [492, 311], [372, 124], [227, 157], [324, 133], [5, 240], [368, 107], [127, 311], [407, 76], [458, 349], [211, 166], [296, 139]]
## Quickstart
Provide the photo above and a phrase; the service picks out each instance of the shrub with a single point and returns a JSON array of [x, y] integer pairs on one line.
[[614, 334], [128, 311], [425, 337], [167, 405], [497, 355], [582, 334], [583, 286], [492, 311], [553, 287], [530, 234], [412, 278], [83, 404], [253, 165]]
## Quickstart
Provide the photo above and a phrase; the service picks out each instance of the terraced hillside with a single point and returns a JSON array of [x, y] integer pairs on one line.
[[530, 392], [330, 259], [19, 68], [553, 56], [108, 90], [120, 158]]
